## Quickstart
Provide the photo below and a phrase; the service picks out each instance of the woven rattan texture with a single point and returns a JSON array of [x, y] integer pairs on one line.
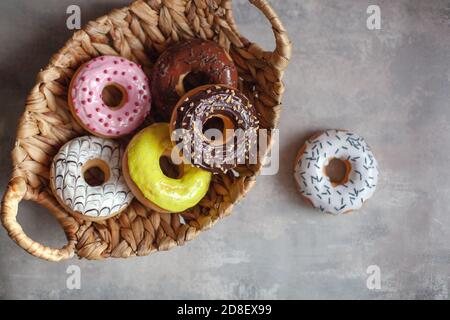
[[139, 32]]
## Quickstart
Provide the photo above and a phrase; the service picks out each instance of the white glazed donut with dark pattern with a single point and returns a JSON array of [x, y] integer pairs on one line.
[[361, 178], [70, 187]]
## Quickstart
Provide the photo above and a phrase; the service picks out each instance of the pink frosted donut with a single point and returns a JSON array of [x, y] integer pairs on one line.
[[86, 96]]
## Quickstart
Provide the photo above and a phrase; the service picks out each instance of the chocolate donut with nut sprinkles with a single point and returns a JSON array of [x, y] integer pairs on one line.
[[185, 66], [235, 136]]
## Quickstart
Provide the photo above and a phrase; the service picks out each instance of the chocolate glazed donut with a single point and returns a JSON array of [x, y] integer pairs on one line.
[[228, 109], [185, 66]]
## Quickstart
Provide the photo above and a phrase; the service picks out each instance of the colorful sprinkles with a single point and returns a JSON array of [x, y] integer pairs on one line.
[[102, 72]]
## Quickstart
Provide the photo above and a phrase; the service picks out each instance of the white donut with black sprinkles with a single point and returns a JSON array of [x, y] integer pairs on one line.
[[69, 185], [361, 178]]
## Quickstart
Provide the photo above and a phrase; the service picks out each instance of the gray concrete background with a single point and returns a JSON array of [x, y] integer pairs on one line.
[[390, 86]]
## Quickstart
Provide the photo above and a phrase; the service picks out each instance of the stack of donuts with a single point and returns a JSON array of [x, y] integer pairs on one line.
[[192, 87]]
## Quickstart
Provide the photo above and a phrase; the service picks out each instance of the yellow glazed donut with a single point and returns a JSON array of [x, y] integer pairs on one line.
[[143, 173]]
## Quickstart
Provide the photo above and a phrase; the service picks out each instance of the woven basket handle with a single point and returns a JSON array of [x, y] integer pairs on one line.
[[16, 192], [283, 46]]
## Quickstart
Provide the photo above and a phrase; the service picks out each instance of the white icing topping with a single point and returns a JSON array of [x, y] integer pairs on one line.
[[317, 187], [102, 201]]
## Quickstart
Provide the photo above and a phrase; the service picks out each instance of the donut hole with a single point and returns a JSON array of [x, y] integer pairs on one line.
[[216, 128], [96, 172], [213, 123], [193, 80], [170, 169], [114, 96], [338, 171]]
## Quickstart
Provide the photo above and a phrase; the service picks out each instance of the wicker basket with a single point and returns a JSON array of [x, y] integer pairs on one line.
[[139, 32]]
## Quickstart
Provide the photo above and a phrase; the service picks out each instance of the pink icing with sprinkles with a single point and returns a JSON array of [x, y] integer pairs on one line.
[[87, 96]]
